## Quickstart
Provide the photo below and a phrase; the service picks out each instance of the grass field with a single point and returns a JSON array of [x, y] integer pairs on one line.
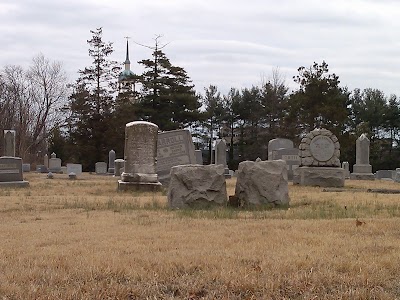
[[63, 239]]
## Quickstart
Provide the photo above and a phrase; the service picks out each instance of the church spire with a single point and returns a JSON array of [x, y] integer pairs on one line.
[[127, 62]]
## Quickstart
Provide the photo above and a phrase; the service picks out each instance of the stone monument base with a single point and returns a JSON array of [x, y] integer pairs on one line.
[[139, 186], [362, 176], [22, 183], [319, 176]]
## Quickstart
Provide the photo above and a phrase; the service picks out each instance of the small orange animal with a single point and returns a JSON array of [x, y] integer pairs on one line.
[[359, 223]]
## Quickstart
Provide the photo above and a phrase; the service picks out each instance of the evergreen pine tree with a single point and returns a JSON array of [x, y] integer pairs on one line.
[[91, 103], [167, 96]]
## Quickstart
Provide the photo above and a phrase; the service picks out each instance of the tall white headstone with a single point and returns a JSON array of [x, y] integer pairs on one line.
[[140, 157], [111, 161], [362, 170]]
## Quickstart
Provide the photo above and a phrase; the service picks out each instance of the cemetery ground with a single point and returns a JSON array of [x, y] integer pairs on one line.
[[64, 239]]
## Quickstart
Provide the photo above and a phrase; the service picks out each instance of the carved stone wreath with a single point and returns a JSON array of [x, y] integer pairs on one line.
[[320, 148]]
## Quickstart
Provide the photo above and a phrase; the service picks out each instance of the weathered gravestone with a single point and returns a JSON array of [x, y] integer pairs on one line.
[[220, 156], [174, 148], [54, 164], [64, 169], [74, 168], [11, 172], [118, 167], [140, 157], [290, 156], [41, 169], [111, 161], [101, 168], [362, 170], [9, 143], [199, 157], [278, 143], [385, 174], [26, 167], [346, 167], [319, 160], [262, 182], [197, 186], [397, 175]]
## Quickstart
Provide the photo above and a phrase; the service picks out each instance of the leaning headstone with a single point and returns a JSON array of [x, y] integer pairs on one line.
[[290, 156], [199, 157], [118, 167], [220, 156], [197, 186], [174, 148], [9, 143], [111, 161], [11, 172], [101, 168], [26, 167], [140, 157], [362, 170], [54, 164], [262, 182], [278, 143], [74, 168], [346, 167], [319, 160]]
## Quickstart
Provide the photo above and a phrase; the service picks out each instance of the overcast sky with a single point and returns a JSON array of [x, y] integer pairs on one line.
[[226, 43]]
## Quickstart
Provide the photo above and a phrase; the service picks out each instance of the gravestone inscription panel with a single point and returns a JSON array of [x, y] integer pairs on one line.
[[174, 148]]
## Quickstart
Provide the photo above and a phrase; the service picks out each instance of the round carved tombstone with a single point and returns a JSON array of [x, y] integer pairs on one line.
[[320, 148]]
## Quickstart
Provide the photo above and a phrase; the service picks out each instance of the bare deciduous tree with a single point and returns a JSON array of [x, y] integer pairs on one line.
[[30, 103]]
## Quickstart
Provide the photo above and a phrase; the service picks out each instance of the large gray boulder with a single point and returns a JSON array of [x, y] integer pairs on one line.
[[262, 182], [197, 186]]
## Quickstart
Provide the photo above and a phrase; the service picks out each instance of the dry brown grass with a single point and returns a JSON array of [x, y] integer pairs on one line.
[[81, 239]]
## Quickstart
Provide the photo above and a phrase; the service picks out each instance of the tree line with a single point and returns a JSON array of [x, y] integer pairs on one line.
[[81, 122]]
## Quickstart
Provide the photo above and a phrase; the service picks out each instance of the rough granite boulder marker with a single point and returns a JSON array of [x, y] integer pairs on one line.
[[196, 186], [262, 182]]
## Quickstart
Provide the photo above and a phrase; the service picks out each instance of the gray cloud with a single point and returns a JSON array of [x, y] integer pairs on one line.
[[226, 43]]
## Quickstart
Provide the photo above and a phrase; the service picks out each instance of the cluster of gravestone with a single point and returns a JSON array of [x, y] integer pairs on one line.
[[170, 157], [53, 166]]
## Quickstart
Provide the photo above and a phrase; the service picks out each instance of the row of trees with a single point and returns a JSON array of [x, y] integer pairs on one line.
[[84, 124]]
